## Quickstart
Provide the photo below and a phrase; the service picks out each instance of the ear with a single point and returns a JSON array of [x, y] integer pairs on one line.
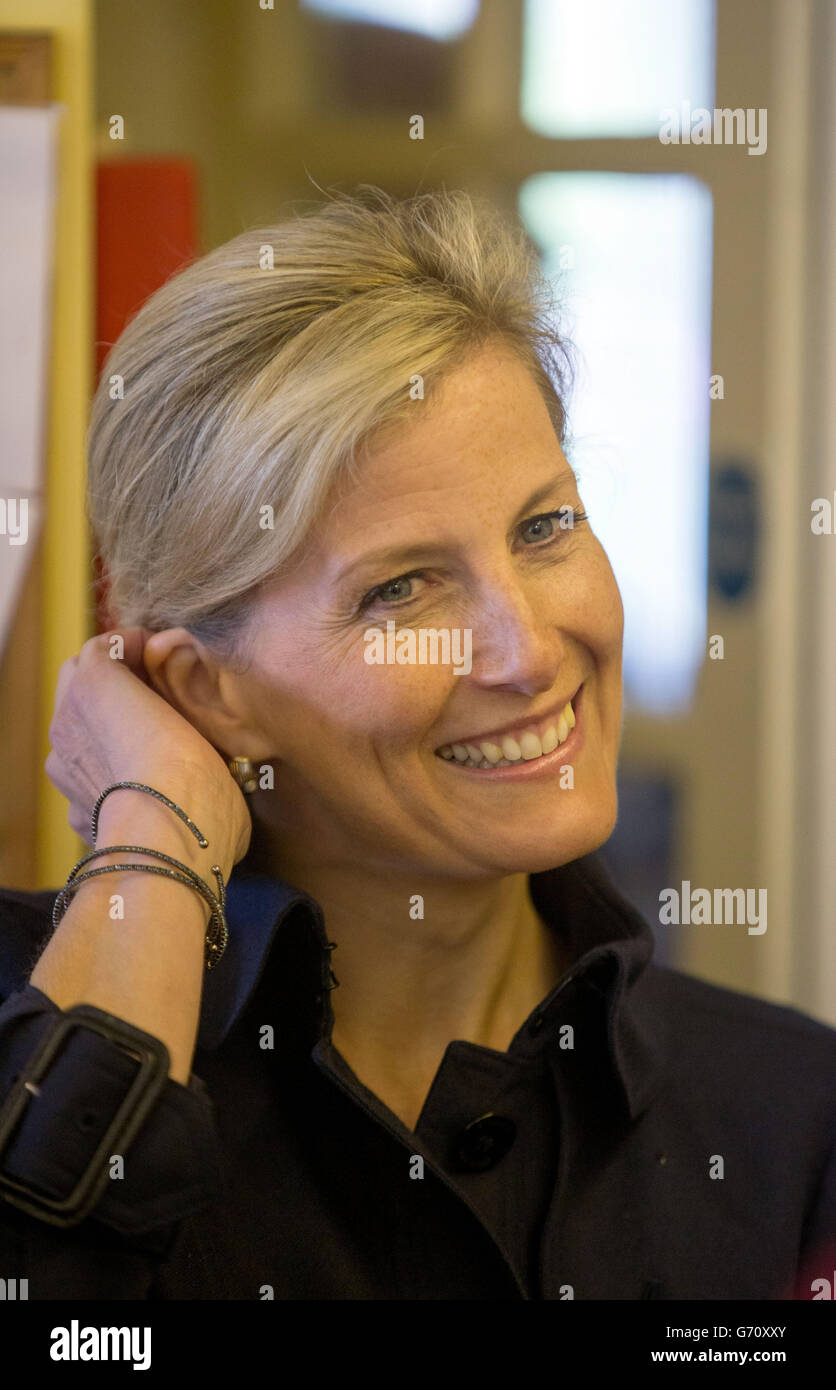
[[200, 688]]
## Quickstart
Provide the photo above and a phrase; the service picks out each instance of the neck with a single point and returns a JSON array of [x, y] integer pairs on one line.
[[423, 963]]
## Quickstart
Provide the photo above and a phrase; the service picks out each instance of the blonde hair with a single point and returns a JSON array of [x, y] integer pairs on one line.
[[254, 377]]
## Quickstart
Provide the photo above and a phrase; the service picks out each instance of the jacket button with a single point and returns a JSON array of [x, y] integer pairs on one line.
[[484, 1142]]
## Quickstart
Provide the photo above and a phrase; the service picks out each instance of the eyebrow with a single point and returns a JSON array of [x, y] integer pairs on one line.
[[416, 550]]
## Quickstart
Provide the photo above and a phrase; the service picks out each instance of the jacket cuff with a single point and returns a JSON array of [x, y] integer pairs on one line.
[[171, 1167]]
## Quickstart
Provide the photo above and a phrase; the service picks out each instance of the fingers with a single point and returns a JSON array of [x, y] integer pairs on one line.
[[94, 648], [77, 815], [80, 823], [58, 775], [65, 675], [127, 653], [132, 638]]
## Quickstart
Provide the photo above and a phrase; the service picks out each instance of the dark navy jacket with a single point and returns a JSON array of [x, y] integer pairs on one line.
[[646, 1135]]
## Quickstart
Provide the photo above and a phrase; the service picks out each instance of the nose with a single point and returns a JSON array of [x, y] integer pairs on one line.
[[517, 645]]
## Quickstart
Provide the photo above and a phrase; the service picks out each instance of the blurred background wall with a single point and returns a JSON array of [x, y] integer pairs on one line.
[[699, 287]]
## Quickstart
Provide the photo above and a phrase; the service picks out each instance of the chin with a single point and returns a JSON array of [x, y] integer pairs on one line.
[[582, 833]]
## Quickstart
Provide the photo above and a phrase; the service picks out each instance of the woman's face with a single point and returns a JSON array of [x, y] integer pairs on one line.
[[445, 530]]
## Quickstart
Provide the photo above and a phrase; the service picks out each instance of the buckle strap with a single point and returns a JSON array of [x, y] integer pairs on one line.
[[153, 1060]]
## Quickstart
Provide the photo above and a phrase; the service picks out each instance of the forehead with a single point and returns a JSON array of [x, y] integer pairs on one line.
[[486, 429]]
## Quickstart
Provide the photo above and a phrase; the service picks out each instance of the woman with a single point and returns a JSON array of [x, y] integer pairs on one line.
[[348, 425]]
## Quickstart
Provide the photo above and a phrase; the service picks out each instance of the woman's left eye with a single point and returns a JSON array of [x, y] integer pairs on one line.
[[544, 526]]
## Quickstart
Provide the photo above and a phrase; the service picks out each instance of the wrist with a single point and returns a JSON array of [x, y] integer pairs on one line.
[[135, 888], [128, 816]]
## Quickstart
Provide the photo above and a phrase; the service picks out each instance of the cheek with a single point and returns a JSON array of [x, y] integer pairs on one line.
[[601, 606], [328, 695], [391, 704]]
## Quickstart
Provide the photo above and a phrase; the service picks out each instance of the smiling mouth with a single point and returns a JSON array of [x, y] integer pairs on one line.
[[526, 744]]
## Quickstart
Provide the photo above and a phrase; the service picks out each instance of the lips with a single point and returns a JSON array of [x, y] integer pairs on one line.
[[527, 742]]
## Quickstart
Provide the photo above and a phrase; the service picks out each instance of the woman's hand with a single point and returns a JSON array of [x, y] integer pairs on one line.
[[110, 725]]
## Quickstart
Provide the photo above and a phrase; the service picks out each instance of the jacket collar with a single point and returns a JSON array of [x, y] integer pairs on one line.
[[610, 944], [257, 907]]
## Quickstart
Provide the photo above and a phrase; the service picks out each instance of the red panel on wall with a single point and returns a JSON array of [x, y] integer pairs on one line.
[[146, 213], [146, 230]]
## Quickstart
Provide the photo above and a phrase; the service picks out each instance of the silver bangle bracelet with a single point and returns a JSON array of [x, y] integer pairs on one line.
[[152, 791], [217, 934]]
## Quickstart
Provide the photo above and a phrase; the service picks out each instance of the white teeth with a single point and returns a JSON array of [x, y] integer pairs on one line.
[[511, 750], [530, 745], [550, 739]]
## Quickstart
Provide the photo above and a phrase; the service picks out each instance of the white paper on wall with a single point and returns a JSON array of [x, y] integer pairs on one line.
[[28, 191]]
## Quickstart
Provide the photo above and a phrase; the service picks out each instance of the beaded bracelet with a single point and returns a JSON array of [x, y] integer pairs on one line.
[[217, 934], [217, 923], [142, 787]]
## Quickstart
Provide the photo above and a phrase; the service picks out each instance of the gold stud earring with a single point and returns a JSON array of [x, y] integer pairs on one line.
[[244, 774]]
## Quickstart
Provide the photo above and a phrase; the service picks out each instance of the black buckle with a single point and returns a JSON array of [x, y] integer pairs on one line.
[[146, 1087]]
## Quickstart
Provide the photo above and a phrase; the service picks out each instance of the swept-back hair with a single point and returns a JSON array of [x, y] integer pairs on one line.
[[255, 376]]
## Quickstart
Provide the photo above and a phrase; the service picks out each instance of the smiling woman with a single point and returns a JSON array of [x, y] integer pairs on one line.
[[500, 1095]]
